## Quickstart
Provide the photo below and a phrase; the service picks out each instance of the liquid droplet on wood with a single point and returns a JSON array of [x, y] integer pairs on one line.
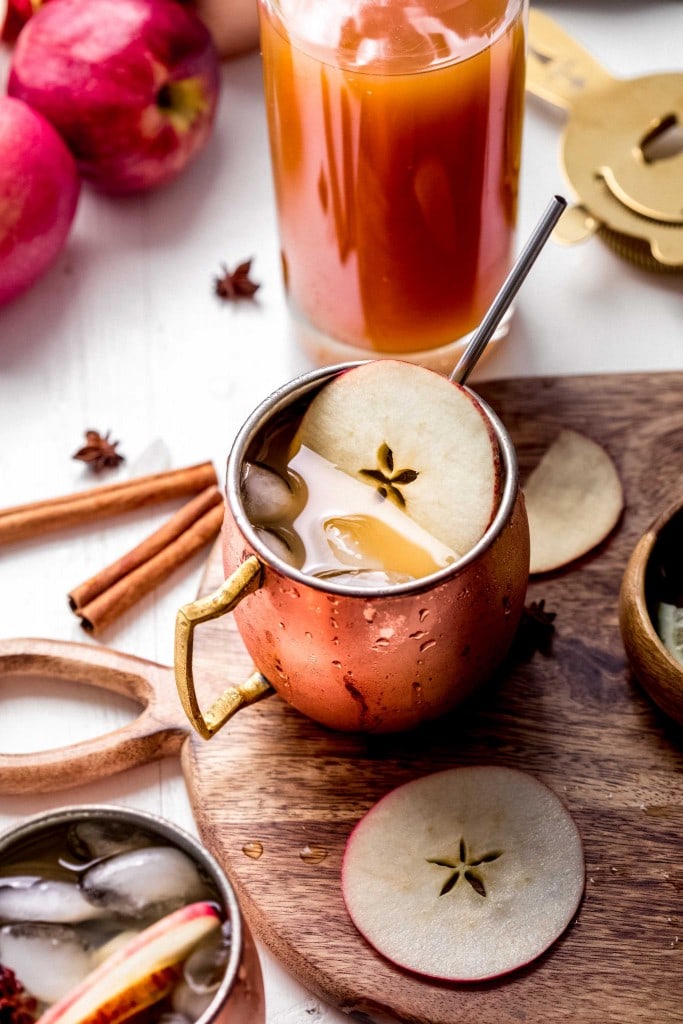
[[313, 854], [253, 849]]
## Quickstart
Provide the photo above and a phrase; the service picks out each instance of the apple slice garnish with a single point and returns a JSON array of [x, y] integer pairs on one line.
[[465, 874], [139, 973], [422, 442], [574, 498]]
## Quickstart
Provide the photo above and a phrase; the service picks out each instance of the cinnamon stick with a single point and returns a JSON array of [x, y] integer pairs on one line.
[[183, 519], [22, 522], [101, 610]]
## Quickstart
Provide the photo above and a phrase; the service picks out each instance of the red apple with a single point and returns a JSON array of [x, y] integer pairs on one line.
[[131, 85], [232, 23], [39, 188], [13, 16]]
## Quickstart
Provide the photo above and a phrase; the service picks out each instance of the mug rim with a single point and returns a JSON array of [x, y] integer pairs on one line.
[[296, 388], [33, 825]]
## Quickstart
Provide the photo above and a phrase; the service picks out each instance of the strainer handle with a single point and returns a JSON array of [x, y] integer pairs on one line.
[[558, 69]]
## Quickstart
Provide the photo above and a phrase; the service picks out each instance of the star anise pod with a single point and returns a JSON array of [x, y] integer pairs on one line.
[[16, 1005], [535, 631], [99, 452], [236, 284]]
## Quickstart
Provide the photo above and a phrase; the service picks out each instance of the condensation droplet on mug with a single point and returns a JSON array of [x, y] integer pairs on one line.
[[335, 641], [507, 606], [313, 854], [418, 635], [286, 687], [381, 641], [253, 849], [417, 692], [336, 664], [423, 613], [282, 625], [369, 614], [309, 636], [427, 644]]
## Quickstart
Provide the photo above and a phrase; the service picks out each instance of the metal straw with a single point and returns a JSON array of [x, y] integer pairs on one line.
[[509, 289]]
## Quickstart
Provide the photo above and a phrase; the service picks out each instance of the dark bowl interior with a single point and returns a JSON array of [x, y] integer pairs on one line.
[[664, 571]]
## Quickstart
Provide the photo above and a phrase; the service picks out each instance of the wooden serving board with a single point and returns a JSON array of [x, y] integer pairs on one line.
[[576, 719]]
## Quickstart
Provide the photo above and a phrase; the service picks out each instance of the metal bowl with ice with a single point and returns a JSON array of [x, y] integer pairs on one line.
[[103, 907]]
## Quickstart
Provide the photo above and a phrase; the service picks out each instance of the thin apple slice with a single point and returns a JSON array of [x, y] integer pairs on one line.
[[465, 874], [139, 973], [419, 440], [573, 498]]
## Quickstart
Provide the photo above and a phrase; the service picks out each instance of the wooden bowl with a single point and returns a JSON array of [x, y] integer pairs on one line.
[[660, 674]]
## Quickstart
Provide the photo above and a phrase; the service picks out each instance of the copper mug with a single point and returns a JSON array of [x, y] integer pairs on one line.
[[360, 659]]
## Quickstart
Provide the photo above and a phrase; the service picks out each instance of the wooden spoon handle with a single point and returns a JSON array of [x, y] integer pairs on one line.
[[558, 69], [157, 732]]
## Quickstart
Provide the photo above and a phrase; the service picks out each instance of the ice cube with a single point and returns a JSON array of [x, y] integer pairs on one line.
[[188, 1003], [267, 496], [157, 880], [92, 839], [48, 959], [50, 901], [205, 966], [278, 545]]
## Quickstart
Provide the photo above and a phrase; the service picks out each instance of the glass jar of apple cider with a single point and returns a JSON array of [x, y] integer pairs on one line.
[[395, 132]]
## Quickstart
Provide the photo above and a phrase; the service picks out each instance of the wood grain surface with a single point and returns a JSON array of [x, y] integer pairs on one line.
[[576, 719]]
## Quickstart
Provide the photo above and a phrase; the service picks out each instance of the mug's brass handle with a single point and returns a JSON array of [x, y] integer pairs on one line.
[[245, 580]]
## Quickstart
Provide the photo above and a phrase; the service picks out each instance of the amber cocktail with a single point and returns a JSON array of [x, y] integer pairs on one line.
[[395, 135]]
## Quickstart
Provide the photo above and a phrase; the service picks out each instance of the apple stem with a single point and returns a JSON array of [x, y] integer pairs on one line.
[[182, 101]]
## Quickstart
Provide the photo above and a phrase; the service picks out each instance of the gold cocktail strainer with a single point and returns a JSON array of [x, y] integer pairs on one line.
[[622, 149]]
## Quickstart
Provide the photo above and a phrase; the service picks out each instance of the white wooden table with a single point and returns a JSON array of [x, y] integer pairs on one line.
[[125, 334]]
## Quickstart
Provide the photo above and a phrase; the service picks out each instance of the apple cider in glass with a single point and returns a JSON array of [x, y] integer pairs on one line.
[[395, 134]]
